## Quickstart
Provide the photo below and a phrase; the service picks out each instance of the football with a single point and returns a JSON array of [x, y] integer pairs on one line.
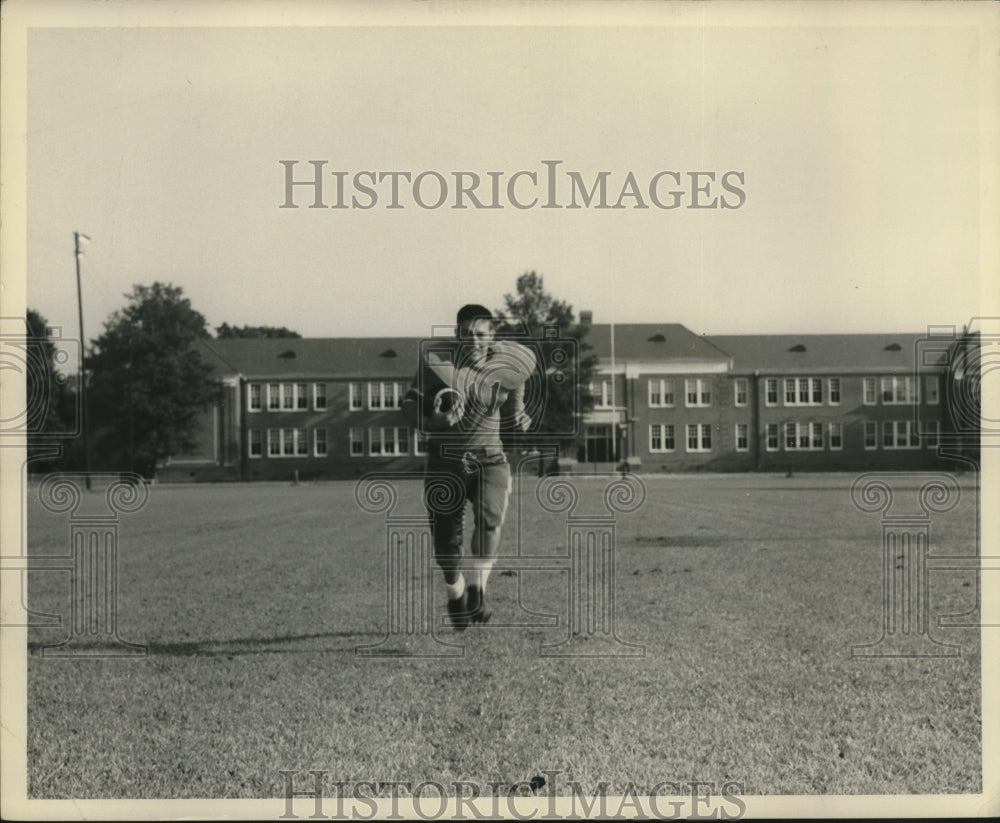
[[448, 399]]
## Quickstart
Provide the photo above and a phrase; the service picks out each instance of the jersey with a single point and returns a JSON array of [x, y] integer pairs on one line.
[[491, 392]]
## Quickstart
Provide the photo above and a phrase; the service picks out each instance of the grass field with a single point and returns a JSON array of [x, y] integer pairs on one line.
[[746, 592]]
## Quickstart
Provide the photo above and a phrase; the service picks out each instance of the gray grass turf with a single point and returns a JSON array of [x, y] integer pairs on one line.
[[746, 591]]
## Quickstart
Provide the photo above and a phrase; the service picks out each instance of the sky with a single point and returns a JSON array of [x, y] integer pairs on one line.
[[858, 148]]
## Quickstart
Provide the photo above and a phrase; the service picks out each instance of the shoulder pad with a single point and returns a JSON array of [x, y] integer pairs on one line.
[[511, 363]]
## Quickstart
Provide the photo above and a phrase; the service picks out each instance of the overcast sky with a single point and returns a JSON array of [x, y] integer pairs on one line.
[[859, 149]]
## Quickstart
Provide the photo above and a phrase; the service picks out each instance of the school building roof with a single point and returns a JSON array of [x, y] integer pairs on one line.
[[777, 353], [396, 357], [289, 358], [652, 341]]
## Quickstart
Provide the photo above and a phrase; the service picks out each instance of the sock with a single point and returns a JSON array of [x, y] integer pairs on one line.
[[457, 589]]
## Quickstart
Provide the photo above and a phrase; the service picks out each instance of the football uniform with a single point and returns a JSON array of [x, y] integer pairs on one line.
[[466, 463]]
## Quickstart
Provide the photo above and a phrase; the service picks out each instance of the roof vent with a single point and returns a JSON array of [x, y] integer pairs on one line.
[[287, 355], [798, 347], [893, 347], [657, 338], [389, 353]]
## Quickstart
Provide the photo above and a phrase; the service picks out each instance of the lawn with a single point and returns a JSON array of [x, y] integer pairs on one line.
[[743, 593]]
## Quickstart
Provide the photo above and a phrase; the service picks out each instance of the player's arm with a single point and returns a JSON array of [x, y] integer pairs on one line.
[[512, 411]]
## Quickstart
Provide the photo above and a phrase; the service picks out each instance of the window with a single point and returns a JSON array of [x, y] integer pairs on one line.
[[386, 441], [817, 391], [661, 393], [319, 396], [319, 442], [933, 433], [661, 437], [870, 433], [742, 437], [836, 437], [771, 391], [899, 391], [789, 391], [803, 436], [868, 393], [668, 393], [803, 429], [833, 389], [899, 434], [281, 396], [803, 391], [357, 436], [886, 390], [698, 392], [282, 442], [699, 437], [419, 443], [741, 389], [817, 436], [931, 389], [386, 395], [601, 392], [355, 401], [772, 432]]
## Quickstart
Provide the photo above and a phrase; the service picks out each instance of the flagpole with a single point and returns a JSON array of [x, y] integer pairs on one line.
[[614, 404], [82, 375]]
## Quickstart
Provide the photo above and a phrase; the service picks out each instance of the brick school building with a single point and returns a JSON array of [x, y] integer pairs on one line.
[[665, 400]]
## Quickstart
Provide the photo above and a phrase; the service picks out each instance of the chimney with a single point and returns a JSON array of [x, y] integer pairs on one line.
[[586, 317]]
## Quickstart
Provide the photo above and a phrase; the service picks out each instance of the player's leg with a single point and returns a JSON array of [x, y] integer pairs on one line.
[[446, 514], [489, 500]]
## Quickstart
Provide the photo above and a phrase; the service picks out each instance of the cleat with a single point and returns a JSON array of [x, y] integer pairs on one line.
[[476, 605], [458, 611]]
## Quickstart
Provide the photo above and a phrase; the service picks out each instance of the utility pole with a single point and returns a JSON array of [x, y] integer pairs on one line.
[[83, 377]]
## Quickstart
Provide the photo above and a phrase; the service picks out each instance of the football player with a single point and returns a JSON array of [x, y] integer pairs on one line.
[[464, 390]]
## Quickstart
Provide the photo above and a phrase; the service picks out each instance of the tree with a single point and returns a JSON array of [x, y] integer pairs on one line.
[[528, 311], [49, 402], [147, 381], [226, 331]]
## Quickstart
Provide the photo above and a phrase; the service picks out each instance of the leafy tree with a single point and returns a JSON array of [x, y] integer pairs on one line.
[[226, 331], [530, 309], [49, 402], [147, 381]]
